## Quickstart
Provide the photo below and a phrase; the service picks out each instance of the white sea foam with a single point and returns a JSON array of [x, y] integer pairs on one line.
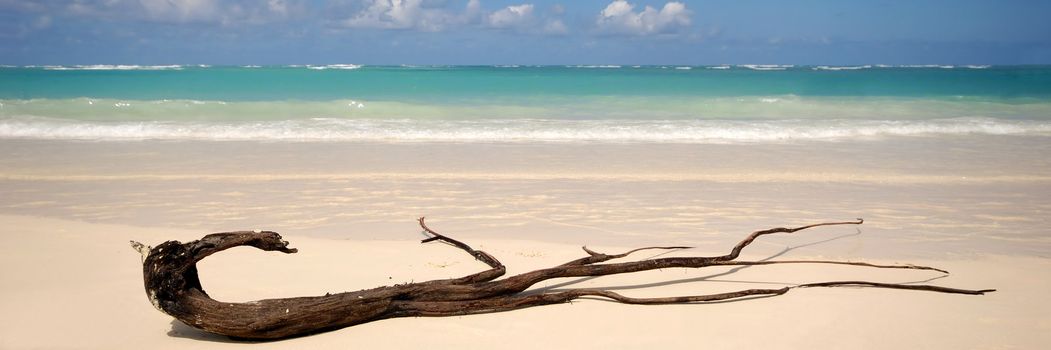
[[835, 68], [942, 66], [718, 67], [595, 66], [426, 66], [684, 68], [113, 67], [766, 66], [515, 130], [931, 66], [785, 106], [335, 66]]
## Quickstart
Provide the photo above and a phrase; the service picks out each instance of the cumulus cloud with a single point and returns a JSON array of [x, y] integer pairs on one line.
[[620, 17], [431, 16], [409, 14], [511, 16], [522, 19]]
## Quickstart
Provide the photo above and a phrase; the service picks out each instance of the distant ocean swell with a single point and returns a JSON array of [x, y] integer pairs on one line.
[[513, 130]]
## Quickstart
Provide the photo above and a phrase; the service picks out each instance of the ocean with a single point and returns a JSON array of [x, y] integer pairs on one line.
[[521, 104], [946, 161]]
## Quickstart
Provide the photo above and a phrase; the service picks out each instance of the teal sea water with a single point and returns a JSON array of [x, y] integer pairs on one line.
[[669, 104]]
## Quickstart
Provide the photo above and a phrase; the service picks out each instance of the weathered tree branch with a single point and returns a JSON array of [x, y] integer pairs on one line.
[[173, 286]]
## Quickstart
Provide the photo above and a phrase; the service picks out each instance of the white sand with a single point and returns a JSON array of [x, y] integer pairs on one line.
[[978, 206], [70, 284]]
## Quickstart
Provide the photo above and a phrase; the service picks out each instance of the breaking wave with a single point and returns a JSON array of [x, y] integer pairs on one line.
[[335, 66], [114, 67], [512, 131]]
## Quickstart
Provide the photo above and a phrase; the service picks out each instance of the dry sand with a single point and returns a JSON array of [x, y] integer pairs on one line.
[[976, 207], [71, 284]]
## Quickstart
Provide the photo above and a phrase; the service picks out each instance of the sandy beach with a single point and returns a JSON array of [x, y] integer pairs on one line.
[[976, 206], [900, 150]]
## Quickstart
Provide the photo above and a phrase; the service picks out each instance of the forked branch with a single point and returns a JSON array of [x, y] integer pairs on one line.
[[172, 284]]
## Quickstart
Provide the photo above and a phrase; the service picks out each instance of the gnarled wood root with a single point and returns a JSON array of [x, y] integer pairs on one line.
[[173, 286]]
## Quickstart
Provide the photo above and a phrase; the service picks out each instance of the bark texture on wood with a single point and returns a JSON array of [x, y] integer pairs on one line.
[[173, 286]]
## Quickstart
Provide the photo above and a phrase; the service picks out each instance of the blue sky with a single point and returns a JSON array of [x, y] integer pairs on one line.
[[217, 32]]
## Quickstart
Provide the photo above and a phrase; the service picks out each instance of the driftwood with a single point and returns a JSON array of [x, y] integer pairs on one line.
[[172, 285]]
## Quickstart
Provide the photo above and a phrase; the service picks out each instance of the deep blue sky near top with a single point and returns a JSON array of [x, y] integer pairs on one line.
[[241, 32]]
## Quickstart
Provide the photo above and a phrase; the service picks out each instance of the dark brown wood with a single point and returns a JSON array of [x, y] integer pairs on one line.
[[173, 286]]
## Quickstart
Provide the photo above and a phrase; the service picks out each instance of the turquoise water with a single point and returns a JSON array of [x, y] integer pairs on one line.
[[521, 103], [479, 83]]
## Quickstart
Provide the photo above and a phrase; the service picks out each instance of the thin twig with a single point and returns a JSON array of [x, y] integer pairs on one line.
[[596, 257], [852, 263], [896, 286], [736, 251], [478, 254]]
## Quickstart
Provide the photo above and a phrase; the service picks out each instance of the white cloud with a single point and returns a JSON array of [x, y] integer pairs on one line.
[[474, 8], [555, 26], [396, 14], [619, 17], [511, 16], [409, 14], [433, 17], [523, 19], [278, 7]]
